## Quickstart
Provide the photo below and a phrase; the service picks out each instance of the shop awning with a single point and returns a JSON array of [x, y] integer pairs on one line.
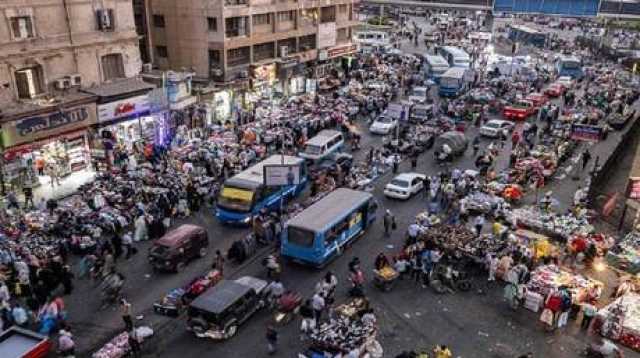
[[119, 89]]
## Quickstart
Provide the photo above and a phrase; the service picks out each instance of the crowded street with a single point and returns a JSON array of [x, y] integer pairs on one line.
[[395, 210]]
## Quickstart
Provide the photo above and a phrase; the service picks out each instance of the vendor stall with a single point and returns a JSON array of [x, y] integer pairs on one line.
[[620, 320], [549, 278], [625, 255]]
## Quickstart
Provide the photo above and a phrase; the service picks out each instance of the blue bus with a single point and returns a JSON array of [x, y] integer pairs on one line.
[[569, 66], [527, 35], [455, 56], [322, 230], [245, 194], [434, 67], [454, 82]]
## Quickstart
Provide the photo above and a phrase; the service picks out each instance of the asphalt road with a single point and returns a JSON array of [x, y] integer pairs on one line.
[[410, 317]]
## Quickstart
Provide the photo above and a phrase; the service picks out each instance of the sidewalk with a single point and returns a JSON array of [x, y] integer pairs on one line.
[[68, 186]]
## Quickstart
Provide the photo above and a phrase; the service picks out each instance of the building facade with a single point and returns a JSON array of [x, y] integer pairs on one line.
[[51, 53], [226, 40]]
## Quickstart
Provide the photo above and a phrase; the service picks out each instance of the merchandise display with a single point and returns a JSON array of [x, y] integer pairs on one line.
[[620, 320], [625, 255], [546, 278]]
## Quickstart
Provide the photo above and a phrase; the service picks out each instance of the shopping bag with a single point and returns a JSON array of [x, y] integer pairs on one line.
[[562, 320], [547, 316]]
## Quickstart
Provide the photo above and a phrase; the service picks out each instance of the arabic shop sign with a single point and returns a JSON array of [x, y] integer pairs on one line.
[[49, 124], [123, 108]]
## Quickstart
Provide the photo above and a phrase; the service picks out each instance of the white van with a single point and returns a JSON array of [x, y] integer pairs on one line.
[[325, 143]]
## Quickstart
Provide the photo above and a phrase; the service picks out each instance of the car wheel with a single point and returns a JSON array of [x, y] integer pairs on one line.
[[231, 330], [180, 266], [202, 252]]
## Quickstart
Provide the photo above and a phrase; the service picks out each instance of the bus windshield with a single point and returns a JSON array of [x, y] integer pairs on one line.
[[570, 65], [448, 82], [236, 199], [313, 149], [300, 237]]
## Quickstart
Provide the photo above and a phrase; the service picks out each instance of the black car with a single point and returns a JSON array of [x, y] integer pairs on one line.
[[218, 312]]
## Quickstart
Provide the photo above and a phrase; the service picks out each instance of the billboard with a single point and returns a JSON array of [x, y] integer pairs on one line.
[[327, 35], [281, 175]]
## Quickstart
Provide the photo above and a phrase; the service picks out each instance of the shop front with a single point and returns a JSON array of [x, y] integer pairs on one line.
[[48, 145]]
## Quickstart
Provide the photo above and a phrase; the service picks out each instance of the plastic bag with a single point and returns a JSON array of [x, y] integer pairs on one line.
[[547, 316]]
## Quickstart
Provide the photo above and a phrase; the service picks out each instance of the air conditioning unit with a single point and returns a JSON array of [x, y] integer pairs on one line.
[[243, 74], [76, 80], [216, 72], [147, 67], [62, 83], [284, 51]]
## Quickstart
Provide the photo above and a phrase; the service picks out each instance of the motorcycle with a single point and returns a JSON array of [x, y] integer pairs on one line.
[[286, 307]]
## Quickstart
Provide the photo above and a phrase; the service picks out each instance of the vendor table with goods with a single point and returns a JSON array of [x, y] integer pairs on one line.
[[556, 226], [620, 320], [119, 346], [625, 255], [548, 278]]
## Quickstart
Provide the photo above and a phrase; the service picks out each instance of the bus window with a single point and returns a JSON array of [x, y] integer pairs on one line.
[[236, 199], [313, 149], [300, 237]]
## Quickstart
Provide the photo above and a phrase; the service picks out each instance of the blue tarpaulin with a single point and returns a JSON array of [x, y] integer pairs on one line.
[[551, 7]]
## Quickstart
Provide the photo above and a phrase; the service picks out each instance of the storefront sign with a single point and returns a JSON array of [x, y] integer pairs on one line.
[[327, 34], [633, 188], [323, 55], [342, 50], [586, 132], [123, 108], [46, 125], [264, 73], [183, 103]]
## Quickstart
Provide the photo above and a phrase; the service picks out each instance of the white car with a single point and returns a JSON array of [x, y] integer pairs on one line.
[[418, 95], [404, 185], [383, 125], [566, 81], [494, 127]]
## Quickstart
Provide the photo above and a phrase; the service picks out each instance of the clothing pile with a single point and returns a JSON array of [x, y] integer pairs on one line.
[[342, 335], [555, 225], [625, 255], [621, 320], [119, 345], [548, 278]]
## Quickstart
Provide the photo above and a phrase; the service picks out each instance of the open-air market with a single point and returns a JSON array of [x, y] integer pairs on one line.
[[320, 179]]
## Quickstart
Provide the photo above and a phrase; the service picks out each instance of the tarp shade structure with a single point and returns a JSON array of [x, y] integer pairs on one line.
[[625, 7], [551, 7]]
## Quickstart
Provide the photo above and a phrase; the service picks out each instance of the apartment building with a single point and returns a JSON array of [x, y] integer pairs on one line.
[[56, 57], [225, 40]]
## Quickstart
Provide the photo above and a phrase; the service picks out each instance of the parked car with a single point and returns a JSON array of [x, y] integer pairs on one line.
[[383, 125], [554, 90], [566, 81], [419, 95], [538, 99], [178, 247], [218, 312], [519, 110], [421, 113], [403, 186], [494, 127]]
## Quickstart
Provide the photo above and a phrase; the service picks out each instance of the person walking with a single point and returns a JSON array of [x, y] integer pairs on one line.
[[389, 223], [28, 197], [218, 262], [586, 157], [125, 307], [318, 305], [272, 340], [127, 245]]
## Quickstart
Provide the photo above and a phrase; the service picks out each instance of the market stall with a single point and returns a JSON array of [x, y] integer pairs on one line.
[[620, 320], [548, 278], [625, 255]]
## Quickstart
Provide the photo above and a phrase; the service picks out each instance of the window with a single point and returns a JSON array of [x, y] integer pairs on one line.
[[263, 51], [343, 8], [238, 56], [235, 2], [328, 14], [342, 35], [104, 18], [112, 66], [22, 27], [236, 26], [214, 58], [212, 24], [161, 51], [307, 42], [29, 82], [158, 21], [284, 16], [262, 19], [300, 237]]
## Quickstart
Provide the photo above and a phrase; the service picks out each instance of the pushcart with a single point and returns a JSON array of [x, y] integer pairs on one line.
[[385, 278]]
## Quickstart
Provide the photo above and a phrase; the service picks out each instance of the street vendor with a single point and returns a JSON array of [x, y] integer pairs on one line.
[[381, 261]]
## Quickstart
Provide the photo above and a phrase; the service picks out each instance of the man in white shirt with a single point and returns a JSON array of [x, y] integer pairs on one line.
[[317, 304]]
